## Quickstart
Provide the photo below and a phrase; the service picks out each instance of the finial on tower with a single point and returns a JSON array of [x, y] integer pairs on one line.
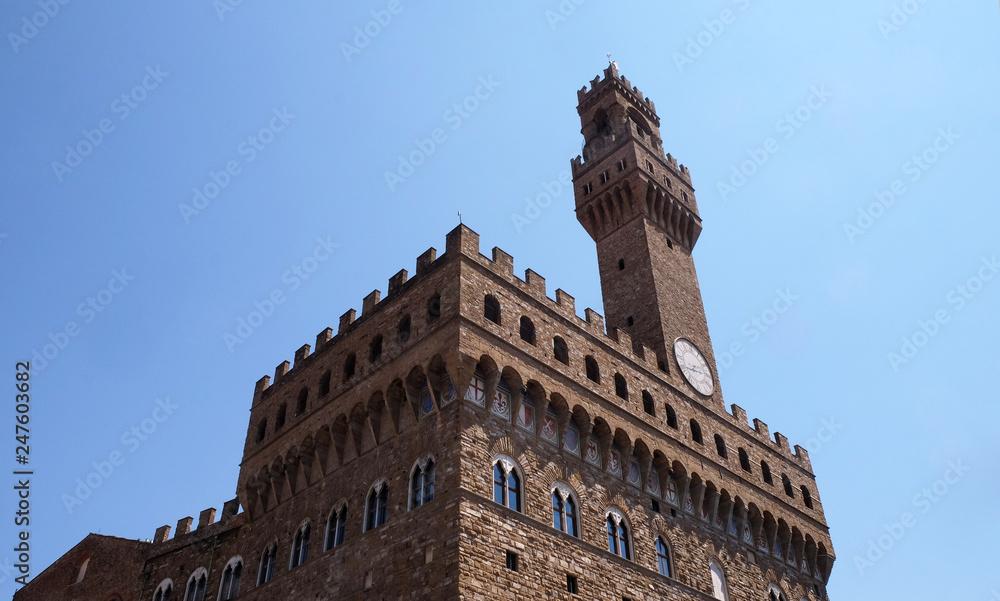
[[460, 218]]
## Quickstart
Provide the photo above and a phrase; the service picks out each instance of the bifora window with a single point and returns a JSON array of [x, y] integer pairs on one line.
[[378, 506], [196, 586], [506, 484], [335, 528], [422, 484], [618, 539], [300, 546], [267, 565], [231, 577], [564, 511]]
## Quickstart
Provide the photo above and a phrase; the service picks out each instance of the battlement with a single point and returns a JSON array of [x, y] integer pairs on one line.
[[205, 519], [623, 86]]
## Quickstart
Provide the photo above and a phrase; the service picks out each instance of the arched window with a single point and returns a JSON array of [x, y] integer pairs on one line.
[[349, 365], [621, 388], [433, 308], [261, 430], [231, 577], [422, 483], [164, 590], [280, 420], [696, 432], [671, 417], [564, 511], [720, 447], [335, 528], [593, 372], [789, 491], [806, 496], [527, 330], [324, 384], [300, 546], [647, 403], [719, 589], [774, 593], [266, 572], [300, 408], [744, 460], [403, 330], [491, 309], [376, 348], [765, 471], [506, 484], [560, 350], [618, 535], [378, 506], [663, 563], [196, 585]]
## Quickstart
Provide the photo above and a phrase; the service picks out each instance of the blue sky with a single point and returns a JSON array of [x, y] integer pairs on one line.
[[871, 129]]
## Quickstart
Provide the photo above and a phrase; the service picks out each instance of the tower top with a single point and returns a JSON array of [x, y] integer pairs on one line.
[[624, 86]]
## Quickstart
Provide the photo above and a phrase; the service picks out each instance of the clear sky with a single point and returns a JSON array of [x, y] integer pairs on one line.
[[870, 126]]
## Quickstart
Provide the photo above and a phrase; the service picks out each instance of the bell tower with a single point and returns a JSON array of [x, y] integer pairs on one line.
[[638, 205]]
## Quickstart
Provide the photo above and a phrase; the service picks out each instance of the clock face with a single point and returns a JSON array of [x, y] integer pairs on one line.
[[693, 366]]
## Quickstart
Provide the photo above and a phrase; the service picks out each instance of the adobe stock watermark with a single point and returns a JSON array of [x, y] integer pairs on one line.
[[955, 301], [922, 503], [248, 150], [88, 310], [224, 7], [828, 430], [455, 116], [122, 107], [787, 126], [915, 167], [562, 13], [533, 207], [364, 34], [292, 279], [30, 26], [130, 440], [756, 326], [714, 28], [899, 17]]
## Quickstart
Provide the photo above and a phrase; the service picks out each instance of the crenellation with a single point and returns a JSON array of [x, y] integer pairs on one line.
[[595, 320], [280, 371], [740, 415], [803, 456], [184, 526], [370, 301], [162, 534], [503, 263], [346, 320], [323, 338], [301, 354], [623, 339], [230, 509], [262, 385], [396, 283], [536, 284], [425, 260], [781, 441], [565, 301], [462, 240], [761, 429], [206, 518]]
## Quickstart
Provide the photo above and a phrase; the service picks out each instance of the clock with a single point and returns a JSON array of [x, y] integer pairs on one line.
[[694, 366]]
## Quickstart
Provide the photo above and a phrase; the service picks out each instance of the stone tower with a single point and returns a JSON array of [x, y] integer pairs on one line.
[[468, 437]]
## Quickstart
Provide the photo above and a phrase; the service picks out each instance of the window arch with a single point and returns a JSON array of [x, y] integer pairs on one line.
[[696, 432], [744, 460], [300, 546], [434, 308], [231, 576], [422, 483], [336, 525], [324, 384], [719, 588], [720, 447], [618, 534], [774, 593], [164, 590], [593, 371], [789, 491], [195, 590], [621, 387], [491, 309], [377, 507], [564, 510], [261, 429], [279, 421], [560, 350], [349, 366], [806, 496], [527, 330], [403, 330], [303, 400], [507, 483], [671, 416], [267, 561], [647, 403], [375, 350], [663, 563], [765, 471]]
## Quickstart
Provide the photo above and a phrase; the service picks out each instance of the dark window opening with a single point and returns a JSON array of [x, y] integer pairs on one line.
[[280, 420], [433, 308], [511, 561], [621, 165], [527, 331], [571, 585], [744, 460], [765, 470], [671, 416], [303, 400], [349, 365], [647, 403], [806, 497], [621, 388], [789, 491], [261, 430], [491, 309], [720, 447], [630, 321], [560, 350], [300, 547], [621, 264], [403, 332], [324, 384], [376, 348], [593, 372], [696, 432]]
